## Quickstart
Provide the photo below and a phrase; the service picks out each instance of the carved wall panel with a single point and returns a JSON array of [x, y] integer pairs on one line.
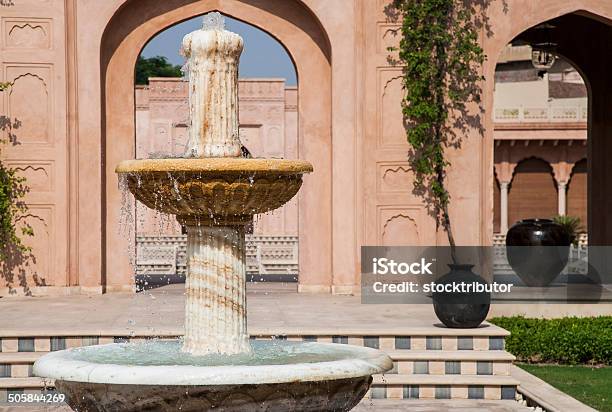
[[37, 267], [29, 103], [251, 138], [162, 141], [250, 113], [404, 226], [38, 175], [389, 35], [383, 12], [394, 177], [27, 33], [390, 118], [179, 139], [181, 112], [274, 142]]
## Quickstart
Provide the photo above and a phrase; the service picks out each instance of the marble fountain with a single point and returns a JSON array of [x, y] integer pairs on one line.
[[214, 192]]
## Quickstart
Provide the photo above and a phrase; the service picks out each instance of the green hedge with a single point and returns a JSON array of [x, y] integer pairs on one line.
[[566, 340]]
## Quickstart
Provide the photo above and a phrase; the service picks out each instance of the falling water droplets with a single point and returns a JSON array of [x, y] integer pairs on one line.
[[175, 185], [126, 216]]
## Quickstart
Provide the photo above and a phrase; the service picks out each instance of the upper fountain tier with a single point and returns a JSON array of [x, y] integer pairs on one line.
[[222, 190], [213, 182]]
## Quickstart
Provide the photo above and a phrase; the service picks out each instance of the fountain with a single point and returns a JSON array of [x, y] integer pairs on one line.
[[214, 193]]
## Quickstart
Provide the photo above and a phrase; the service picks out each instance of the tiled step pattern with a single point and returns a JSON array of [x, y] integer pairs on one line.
[[425, 366]]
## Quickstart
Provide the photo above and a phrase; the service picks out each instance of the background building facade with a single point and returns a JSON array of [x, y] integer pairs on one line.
[[540, 132]]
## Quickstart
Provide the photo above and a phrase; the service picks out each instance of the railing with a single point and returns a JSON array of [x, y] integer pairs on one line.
[[161, 255], [278, 255], [499, 239], [524, 114], [272, 255], [265, 255]]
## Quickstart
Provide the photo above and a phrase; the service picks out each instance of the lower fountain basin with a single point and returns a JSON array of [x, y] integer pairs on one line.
[[156, 375]]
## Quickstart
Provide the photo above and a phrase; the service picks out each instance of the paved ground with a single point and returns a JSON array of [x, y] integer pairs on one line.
[[273, 309], [378, 405]]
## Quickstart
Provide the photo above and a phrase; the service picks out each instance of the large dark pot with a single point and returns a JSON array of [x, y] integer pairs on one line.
[[537, 250], [461, 310]]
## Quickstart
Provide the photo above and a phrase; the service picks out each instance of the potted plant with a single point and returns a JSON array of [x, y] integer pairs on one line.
[[538, 249], [441, 60], [572, 226]]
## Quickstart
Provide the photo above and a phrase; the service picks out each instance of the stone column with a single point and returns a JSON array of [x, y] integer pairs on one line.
[[562, 194], [503, 224], [215, 307]]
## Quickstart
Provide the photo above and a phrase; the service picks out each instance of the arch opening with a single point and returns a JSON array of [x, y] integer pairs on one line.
[[546, 113], [268, 129], [301, 34]]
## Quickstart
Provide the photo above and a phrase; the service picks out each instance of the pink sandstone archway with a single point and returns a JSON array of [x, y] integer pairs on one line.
[[588, 16], [301, 33]]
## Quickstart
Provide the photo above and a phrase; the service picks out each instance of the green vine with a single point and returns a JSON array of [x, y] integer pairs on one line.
[[441, 57], [12, 193]]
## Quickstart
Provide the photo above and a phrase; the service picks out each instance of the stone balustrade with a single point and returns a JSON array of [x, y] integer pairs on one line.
[[266, 255], [541, 114], [276, 255]]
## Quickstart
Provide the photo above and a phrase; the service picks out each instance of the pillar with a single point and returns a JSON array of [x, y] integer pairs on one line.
[[562, 202], [503, 224]]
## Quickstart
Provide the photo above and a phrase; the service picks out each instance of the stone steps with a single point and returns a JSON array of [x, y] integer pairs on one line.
[[443, 380], [458, 355], [443, 387], [21, 383], [492, 363], [433, 363]]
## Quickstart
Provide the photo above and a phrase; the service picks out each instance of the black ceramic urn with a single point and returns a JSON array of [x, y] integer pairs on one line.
[[537, 250], [461, 310]]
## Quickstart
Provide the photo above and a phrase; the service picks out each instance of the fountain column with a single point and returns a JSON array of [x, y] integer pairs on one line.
[[215, 310]]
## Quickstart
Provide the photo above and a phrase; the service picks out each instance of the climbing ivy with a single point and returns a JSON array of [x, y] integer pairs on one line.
[[441, 57], [12, 192]]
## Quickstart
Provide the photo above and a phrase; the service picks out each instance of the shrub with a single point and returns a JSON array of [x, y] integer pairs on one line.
[[13, 189], [569, 340], [571, 225]]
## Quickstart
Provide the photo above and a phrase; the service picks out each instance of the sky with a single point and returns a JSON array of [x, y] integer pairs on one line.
[[263, 55]]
